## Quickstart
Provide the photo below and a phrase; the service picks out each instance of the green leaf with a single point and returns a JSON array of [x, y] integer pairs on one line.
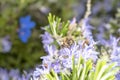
[[65, 28], [83, 72], [56, 26], [98, 68]]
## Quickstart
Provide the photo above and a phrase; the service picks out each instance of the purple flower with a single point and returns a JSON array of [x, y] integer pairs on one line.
[[86, 28], [56, 66], [79, 10], [39, 72], [67, 63], [61, 60], [13, 74], [100, 36], [115, 53], [117, 76], [26, 76], [44, 9], [6, 44], [4, 74], [47, 40], [65, 51], [107, 5], [89, 53], [96, 8]]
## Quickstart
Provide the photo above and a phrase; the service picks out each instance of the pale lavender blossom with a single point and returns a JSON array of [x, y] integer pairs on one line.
[[6, 44], [89, 53], [4, 74], [47, 62], [65, 56], [117, 77], [114, 50], [86, 28], [115, 53], [44, 9], [67, 63], [105, 5], [61, 60], [13, 74], [108, 5], [96, 8], [56, 66], [79, 10], [40, 71], [26, 76], [51, 57], [100, 35], [47, 40]]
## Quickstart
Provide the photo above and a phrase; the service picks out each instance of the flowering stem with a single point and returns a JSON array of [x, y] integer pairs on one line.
[[88, 12]]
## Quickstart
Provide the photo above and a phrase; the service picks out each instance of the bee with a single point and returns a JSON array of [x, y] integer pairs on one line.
[[45, 65], [65, 56], [85, 42], [67, 42]]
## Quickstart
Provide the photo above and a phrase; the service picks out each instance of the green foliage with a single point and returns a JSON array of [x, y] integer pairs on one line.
[[57, 28], [86, 70]]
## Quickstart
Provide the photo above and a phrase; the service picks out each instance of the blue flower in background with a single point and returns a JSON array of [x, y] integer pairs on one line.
[[26, 25], [24, 35]]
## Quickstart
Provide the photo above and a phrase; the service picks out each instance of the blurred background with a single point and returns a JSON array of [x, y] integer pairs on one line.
[[21, 48]]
